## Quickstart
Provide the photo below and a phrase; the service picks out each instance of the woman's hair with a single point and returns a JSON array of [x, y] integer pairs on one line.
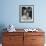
[[23, 9]]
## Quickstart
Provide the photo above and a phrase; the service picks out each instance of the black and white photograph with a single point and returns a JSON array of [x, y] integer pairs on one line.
[[26, 13]]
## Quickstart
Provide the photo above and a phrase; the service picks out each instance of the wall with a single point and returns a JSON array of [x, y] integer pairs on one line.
[[10, 13]]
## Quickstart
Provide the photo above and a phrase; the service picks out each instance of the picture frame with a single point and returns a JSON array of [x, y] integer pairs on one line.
[[26, 13]]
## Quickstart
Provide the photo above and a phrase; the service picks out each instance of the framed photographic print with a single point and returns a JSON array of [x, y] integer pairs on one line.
[[26, 13]]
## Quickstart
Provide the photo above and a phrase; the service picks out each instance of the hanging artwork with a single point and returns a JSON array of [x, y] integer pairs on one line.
[[26, 13]]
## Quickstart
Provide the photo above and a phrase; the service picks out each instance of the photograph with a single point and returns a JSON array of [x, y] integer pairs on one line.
[[26, 13]]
